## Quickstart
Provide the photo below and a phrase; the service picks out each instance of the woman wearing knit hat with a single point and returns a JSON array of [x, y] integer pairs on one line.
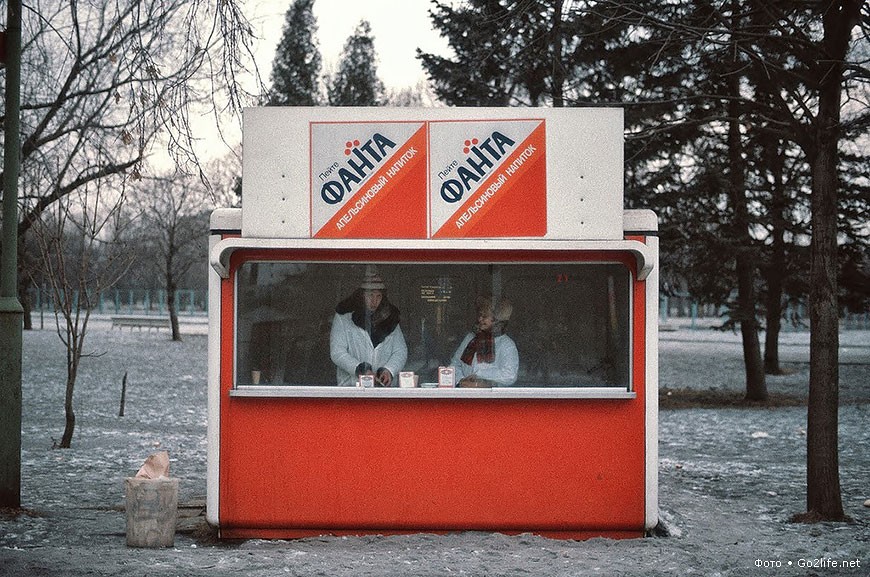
[[366, 334], [487, 357]]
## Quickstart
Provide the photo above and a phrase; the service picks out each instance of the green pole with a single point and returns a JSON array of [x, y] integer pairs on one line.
[[11, 312]]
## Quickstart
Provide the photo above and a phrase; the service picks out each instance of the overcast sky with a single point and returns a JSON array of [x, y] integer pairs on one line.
[[399, 27]]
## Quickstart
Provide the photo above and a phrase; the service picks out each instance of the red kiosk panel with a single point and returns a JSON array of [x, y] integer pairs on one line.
[[304, 466]]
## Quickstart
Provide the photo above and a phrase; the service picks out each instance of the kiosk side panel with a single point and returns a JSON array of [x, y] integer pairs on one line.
[[225, 223]]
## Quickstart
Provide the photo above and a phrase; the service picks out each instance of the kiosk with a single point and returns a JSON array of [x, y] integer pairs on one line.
[[443, 207]]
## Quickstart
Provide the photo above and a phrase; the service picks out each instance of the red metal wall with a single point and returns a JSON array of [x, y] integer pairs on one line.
[[301, 466]]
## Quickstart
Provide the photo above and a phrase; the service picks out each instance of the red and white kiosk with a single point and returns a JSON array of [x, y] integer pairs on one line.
[[449, 204]]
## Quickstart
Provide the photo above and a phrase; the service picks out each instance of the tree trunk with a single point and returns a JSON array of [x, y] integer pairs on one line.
[[558, 75], [773, 322], [25, 282], [24, 298], [776, 268], [824, 501], [823, 470], [756, 388], [69, 413], [173, 307]]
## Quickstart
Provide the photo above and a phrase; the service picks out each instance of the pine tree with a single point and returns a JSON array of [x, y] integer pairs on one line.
[[479, 73], [505, 52], [356, 82], [296, 67]]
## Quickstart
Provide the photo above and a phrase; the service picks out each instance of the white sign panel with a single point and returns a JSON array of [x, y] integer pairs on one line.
[[447, 173]]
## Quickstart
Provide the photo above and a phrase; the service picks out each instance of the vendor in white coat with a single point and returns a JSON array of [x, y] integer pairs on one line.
[[487, 357], [366, 338]]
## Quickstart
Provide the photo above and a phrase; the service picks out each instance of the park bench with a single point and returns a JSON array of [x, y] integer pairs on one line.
[[140, 322]]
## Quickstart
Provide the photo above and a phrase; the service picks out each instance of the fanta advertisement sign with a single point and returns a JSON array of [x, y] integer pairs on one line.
[[488, 179], [369, 173], [368, 180]]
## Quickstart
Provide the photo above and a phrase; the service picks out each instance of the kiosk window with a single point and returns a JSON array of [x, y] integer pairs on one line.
[[571, 323]]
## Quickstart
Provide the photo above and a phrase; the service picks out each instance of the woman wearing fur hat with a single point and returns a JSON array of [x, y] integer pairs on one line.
[[487, 357], [366, 334]]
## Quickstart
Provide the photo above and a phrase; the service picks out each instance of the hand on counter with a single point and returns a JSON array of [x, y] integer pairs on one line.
[[384, 377], [473, 382]]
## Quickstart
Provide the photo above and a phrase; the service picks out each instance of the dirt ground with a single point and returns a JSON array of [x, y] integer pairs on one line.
[[730, 476]]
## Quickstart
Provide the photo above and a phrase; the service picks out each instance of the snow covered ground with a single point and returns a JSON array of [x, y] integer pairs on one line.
[[730, 477]]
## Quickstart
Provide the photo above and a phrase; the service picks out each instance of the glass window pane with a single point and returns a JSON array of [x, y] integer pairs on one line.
[[569, 323]]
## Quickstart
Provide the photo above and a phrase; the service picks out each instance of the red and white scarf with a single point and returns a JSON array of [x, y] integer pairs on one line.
[[482, 345]]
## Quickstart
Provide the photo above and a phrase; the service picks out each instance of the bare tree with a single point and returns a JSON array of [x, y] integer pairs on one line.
[[106, 83], [224, 175], [81, 255], [420, 94], [174, 213]]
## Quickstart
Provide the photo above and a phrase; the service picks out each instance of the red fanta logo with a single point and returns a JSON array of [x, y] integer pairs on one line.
[[498, 188], [378, 187], [363, 160], [480, 161]]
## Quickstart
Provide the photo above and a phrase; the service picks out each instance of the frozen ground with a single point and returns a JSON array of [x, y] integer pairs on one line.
[[730, 476]]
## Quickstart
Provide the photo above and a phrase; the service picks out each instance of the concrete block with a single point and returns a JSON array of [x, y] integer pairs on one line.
[[152, 511]]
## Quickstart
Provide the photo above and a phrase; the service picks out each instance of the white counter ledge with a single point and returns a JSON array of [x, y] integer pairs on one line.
[[275, 391]]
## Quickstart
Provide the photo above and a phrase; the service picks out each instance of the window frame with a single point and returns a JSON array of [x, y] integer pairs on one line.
[[555, 256]]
